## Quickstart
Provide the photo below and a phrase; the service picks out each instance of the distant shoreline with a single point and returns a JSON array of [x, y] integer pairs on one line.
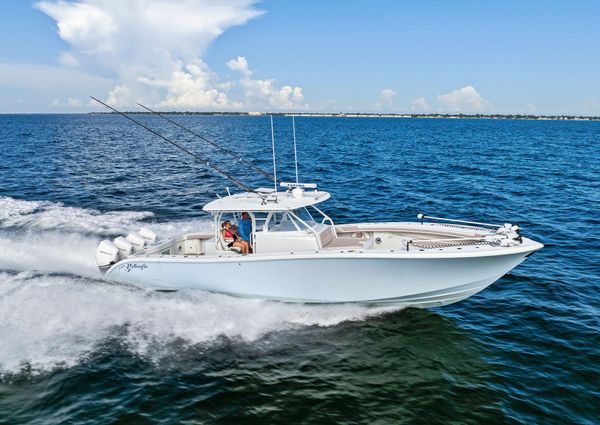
[[375, 115]]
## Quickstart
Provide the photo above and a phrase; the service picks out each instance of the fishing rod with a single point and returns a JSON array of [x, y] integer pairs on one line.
[[221, 148], [198, 158]]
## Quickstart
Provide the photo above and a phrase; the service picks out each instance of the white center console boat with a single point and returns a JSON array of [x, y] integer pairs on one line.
[[300, 255]]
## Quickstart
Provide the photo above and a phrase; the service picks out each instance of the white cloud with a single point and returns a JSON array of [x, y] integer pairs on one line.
[[263, 94], [465, 99], [420, 105], [388, 94], [154, 48], [386, 99], [240, 64], [191, 85], [71, 102]]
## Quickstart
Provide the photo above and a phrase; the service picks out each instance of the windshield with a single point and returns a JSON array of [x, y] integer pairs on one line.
[[305, 215], [300, 219]]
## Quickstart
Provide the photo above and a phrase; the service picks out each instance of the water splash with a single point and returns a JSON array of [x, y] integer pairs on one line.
[[45, 215], [50, 319], [48, 236]]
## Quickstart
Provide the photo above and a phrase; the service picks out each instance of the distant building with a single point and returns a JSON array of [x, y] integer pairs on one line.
[[255, 113]]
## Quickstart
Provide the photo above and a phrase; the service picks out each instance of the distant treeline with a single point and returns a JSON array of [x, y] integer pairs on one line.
[[373, 115]]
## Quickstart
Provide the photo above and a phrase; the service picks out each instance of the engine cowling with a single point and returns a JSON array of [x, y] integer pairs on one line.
[[107, 254], [148, 235], [137, 241], [125, 247]]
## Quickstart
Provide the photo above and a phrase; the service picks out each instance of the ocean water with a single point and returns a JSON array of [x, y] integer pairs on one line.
[[75, 348]]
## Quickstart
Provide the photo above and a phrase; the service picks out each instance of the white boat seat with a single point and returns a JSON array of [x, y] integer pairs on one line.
[[201, 236], [227, 248], [326, 234]]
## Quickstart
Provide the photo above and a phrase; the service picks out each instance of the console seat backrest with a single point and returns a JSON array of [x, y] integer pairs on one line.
[[326, 234], [224, 246]]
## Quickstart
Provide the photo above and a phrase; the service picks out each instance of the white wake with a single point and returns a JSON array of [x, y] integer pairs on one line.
[[55, 308]]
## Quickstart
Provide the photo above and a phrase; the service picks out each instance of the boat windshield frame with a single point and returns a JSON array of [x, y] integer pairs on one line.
[[298, 224]]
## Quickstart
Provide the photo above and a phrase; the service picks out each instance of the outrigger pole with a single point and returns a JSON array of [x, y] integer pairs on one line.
[[295, 153], [198, 158], [250, 164], [274, 158]]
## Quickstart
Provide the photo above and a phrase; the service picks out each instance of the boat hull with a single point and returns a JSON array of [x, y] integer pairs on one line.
[[416, 282]]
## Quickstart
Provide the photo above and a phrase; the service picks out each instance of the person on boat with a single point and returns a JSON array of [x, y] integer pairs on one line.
[[235, 230], [232, 239], [245, 228]]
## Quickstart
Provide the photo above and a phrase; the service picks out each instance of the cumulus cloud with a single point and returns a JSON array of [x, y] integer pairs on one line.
[[420, 105], [240, 64], [386, 99], [388, 94], [465, 99], [190, 85], [263, 93], [71, 102], [154, 49]]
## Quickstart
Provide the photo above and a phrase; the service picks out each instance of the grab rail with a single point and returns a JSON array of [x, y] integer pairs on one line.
[[444, 242], [326, 218]]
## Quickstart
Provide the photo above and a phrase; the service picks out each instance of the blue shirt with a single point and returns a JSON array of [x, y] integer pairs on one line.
[[245, 228]]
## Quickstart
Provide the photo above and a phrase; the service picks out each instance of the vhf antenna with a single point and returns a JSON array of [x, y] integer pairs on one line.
[[295, 153], [221, 148], [273, 149], [198, 158]]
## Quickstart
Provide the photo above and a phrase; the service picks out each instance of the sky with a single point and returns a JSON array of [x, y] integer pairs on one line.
[[532, 57]]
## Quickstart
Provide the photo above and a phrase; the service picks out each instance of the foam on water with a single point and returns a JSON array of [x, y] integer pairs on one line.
[[48, 236], [44, 215], [49, 320], [52, 251]]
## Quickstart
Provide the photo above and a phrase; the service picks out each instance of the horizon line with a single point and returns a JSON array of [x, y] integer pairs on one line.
[[462, 115]]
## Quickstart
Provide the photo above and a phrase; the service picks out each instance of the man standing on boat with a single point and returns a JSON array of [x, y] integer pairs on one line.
[[245, 228]]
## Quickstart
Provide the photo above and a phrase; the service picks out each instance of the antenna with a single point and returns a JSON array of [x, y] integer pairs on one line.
[[295, 153], [273, 149], [198, 158]]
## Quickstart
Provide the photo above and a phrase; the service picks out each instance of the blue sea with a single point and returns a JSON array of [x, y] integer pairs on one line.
[[75, 348]]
